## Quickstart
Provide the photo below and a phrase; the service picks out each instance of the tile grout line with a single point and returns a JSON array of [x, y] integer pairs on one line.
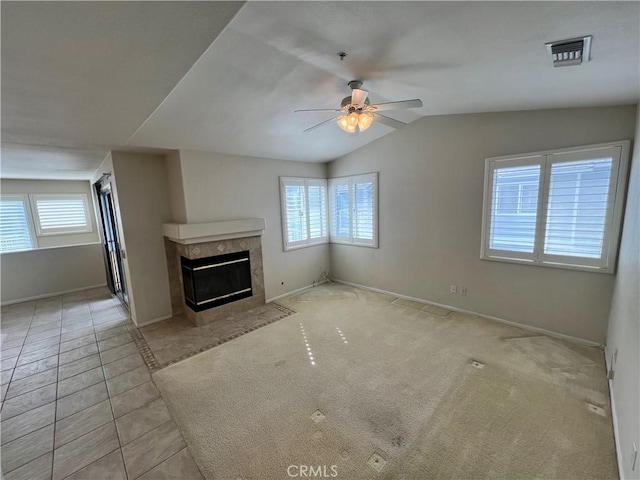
[[152, 430], [55, 413], [4, 397], [29, 433], [108, 398], [113, 413], [30, 319]]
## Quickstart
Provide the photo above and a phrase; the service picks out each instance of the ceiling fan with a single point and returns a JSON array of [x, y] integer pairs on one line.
[[356, 114]]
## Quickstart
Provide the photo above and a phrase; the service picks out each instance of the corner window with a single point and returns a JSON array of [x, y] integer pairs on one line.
[[561, 208], [353, 207], [304, 211], [60, 214], [15, 233]]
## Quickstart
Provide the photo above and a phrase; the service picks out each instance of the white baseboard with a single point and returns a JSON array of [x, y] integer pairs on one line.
[[155, 320], [53, 294], [614, 418], [292, 292], [470, 312]]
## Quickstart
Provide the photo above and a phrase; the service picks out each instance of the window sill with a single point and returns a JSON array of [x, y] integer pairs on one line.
[[307, 245], [562, 266], [50, 248]]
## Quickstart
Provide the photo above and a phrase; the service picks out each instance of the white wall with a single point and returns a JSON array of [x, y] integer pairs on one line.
[[228, 187], [141, 188], [431, 191], [176, 187], [50, 271], [55, 267], [624, 325], [8, 186]]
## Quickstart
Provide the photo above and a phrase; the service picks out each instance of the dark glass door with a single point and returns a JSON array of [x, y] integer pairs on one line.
[[111, 246]]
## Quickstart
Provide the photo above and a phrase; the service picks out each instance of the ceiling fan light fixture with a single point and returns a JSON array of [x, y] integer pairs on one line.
[[343, 123], [355, 122], [364, 121]]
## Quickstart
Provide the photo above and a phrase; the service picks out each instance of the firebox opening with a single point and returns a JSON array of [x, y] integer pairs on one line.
[[213, 281]]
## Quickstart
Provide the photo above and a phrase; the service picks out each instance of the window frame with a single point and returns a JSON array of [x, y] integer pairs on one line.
[[24, 198], [304, 182], [613, 221], [352, 180], [34, 197]]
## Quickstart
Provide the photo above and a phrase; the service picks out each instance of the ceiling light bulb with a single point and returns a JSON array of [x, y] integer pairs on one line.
[[353, 119], [342, 123], [365, 121]]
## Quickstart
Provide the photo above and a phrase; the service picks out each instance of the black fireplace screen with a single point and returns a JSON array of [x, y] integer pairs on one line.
[[213, 281]]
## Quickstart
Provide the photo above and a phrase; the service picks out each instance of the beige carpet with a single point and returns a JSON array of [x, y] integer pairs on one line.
[[395, 384]]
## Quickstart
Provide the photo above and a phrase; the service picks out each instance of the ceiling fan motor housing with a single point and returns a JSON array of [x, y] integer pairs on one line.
[[347, 101]]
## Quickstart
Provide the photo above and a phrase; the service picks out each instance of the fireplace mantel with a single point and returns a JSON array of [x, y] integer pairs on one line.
[[188, 233]]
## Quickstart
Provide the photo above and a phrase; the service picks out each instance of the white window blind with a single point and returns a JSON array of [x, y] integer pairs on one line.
[[340, 209], [60, 214], [304, 211], [15, 233], [353, 206], [559, 208], [577, 211], [514, 203], [317, 201]]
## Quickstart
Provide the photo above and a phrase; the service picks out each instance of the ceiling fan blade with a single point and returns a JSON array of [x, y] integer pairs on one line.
[[416, 103], [318, 125], [318, 110], [358, 96], [389, 122]]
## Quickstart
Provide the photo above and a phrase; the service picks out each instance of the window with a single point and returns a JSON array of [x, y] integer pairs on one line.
[[15, 233], [304, 211], [560, 208], [353, 207], [60, 214]]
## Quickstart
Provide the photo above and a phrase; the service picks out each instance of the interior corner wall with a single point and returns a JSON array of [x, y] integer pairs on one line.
[[624, 326], [431, 180], [230, 187], [141, 187], [62, 263], [177, 203]]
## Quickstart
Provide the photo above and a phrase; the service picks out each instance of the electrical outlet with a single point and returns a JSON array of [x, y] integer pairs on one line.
[[634, 457], [463, 291], [453, 289]]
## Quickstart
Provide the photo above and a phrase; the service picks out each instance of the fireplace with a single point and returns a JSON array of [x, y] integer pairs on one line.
[[192, 251], [213, 281]]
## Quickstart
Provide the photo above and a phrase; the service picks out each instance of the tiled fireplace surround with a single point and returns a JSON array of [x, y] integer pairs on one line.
[[193, 251]]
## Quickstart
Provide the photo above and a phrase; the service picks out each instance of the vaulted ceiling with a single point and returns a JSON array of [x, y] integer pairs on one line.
[[81, 78]]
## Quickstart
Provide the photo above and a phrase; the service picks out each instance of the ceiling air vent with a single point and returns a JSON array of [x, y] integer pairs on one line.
[[574, 51]]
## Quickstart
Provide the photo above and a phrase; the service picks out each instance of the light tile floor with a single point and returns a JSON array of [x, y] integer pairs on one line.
[[77, 399]]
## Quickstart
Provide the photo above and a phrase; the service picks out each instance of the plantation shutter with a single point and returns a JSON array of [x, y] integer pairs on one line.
[[340, 201], [14, 228], [514, 206], [580, 204], [364, 209], [295, 208], [317, 210], [60, 214], [561, 209]]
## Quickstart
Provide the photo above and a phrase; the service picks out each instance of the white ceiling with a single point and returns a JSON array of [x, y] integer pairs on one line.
[[85, 75], [82, 74]]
